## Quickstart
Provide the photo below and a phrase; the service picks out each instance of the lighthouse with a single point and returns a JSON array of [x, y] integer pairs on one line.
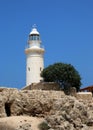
[[34, 58]]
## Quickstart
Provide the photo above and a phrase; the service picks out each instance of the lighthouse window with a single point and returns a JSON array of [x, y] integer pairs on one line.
[[28, 68], [37, 37], [34, 37], [31, 37], [40, 69]]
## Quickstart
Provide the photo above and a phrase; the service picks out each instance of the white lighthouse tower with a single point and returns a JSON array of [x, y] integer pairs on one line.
[[35, 60]]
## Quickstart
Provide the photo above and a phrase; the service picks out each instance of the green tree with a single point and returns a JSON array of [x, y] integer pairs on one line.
[[64, 74]]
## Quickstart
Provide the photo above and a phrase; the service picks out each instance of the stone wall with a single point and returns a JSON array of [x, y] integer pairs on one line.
[[84, 95], [43, 86]]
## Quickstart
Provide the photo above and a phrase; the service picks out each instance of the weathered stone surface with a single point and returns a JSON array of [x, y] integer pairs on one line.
[[27, 102], [43, 86], [84, 95], [20, 123], [60, 111]]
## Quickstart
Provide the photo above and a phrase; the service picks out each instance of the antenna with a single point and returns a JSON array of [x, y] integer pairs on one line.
[[34, 26]]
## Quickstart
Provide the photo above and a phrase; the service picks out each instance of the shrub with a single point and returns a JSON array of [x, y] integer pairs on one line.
[[43, 126]]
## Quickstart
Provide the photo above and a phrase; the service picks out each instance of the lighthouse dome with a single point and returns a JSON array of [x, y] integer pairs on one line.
[[34, 35], [34, 32]]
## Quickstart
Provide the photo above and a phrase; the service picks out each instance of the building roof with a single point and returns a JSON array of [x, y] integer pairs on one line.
[[89, 88]]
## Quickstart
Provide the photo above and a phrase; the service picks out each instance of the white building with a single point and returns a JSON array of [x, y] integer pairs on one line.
[[35, 60]]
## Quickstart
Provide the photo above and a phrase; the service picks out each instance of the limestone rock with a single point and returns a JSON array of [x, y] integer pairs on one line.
[[84, 95], [20, 123], [60, 111]]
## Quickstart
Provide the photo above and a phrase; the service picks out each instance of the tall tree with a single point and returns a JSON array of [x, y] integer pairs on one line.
[[64, 74]]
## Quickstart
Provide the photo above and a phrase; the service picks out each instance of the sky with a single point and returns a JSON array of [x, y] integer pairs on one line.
[[66, 30]]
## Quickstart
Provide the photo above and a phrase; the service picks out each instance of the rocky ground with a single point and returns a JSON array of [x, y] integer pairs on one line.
[[61, 112], [20, 123]]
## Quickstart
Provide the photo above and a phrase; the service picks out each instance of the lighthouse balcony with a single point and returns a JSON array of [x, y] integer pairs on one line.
[[34, 49]]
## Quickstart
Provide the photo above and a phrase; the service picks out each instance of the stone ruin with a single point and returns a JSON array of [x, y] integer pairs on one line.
[[61, 112]]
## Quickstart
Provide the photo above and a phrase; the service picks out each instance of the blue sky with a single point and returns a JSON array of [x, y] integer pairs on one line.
[[66, 28]]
